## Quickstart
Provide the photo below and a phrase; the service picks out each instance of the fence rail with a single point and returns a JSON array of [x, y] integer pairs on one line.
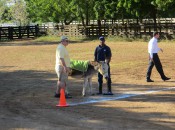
[[167, 30], [19, 32]]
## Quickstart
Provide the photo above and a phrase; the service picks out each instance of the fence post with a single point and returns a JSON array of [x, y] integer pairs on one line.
[[19, 29], [9, 37], [36, 30], [0, 32], [28, 27], [10, 32]]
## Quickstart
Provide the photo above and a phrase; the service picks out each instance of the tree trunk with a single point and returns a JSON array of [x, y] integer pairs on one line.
[[154, 14], [87, 13], [82, 20], [99, 26]]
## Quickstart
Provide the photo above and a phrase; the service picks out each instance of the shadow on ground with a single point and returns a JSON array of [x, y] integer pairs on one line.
[[29, 95]]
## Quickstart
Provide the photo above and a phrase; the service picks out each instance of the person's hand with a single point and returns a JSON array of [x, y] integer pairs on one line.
[[65, 69], [107, 61], [151, 59], [68, 69], [161, 50]]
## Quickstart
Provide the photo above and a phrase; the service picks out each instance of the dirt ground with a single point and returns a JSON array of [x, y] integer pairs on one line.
[[28, 83]]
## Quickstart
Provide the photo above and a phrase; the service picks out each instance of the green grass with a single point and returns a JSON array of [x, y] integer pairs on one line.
[[48, 39], [82, 39], [87, 39]]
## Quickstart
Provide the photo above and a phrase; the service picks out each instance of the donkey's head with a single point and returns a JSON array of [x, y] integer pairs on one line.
[[101, 67]]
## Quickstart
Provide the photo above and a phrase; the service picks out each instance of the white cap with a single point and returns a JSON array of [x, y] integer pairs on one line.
[[63, 38]]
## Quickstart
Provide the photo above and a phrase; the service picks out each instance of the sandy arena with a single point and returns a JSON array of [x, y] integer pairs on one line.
[[28, 83]]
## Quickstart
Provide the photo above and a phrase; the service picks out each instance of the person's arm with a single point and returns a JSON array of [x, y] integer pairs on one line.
[[150, 49], [161, 49], [95, 55], [66, 69], [107, 60]]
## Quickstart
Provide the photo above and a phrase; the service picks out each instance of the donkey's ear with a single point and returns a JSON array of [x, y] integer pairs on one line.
[[93, 63]]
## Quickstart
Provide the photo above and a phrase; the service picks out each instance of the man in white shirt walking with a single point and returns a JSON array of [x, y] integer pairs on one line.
[[154, 58]]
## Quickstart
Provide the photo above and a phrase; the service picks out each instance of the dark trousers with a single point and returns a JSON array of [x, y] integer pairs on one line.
[[158, 65], [100, 81]]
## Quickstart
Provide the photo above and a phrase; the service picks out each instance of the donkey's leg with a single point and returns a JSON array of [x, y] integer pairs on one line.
[[90, 85], [85, 84]]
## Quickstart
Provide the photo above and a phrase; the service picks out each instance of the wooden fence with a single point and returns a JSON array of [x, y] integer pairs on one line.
[[19, 32], [132, 30], [167, 30]]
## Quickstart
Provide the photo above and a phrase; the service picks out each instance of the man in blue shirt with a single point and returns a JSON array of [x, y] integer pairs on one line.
[[103, 53]]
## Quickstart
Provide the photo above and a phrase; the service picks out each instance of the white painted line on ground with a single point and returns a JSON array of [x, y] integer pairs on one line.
[[124, 96]]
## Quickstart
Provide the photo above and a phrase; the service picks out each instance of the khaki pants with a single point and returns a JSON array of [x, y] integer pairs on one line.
[[62, 76]]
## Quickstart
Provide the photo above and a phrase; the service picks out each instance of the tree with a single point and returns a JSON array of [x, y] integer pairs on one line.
[[2, 7], [50, 11], [66, 11], [4, 11], [140, 9], [19, 12], [83, 10], [166, 8]]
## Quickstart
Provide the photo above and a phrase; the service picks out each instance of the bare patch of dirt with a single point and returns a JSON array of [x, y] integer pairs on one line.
[[28, 80]]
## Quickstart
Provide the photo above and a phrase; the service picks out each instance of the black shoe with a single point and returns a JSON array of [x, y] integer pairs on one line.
[[149, 80], [68, 96], [108, 93], [57, 95], [166, 78]]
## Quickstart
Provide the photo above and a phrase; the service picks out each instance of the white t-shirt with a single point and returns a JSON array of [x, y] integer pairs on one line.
[[61, 52]]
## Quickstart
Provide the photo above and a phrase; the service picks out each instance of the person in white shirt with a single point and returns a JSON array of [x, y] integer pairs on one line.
[[153, 50], [62, 66]]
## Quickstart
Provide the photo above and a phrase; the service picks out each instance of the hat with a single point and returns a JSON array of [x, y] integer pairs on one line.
[[101, 38], [63, 38]]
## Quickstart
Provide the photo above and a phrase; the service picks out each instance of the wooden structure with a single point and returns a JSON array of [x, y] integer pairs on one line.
[[19, 32], [126, 28], [167, 30]]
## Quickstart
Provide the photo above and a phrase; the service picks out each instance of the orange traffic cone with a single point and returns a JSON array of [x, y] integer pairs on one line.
[[62, 102]]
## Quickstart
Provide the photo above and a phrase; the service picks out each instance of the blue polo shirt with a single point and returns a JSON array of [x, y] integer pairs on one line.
[[102, 53]]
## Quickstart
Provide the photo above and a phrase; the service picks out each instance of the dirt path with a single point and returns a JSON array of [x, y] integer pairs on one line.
[[27, 85]]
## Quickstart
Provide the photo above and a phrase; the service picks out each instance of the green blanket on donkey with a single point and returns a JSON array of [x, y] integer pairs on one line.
[[79, 65]]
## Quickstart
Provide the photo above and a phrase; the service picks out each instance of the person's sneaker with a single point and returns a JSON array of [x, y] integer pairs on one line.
[[57, 95], [149, 80], [68, 96], [108, 93]]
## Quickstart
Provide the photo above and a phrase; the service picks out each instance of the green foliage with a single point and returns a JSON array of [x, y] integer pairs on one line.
[[107, 9], [19, 13], [50, 10], [83, 10], [66, 11], [5, 15], [2, 8]]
